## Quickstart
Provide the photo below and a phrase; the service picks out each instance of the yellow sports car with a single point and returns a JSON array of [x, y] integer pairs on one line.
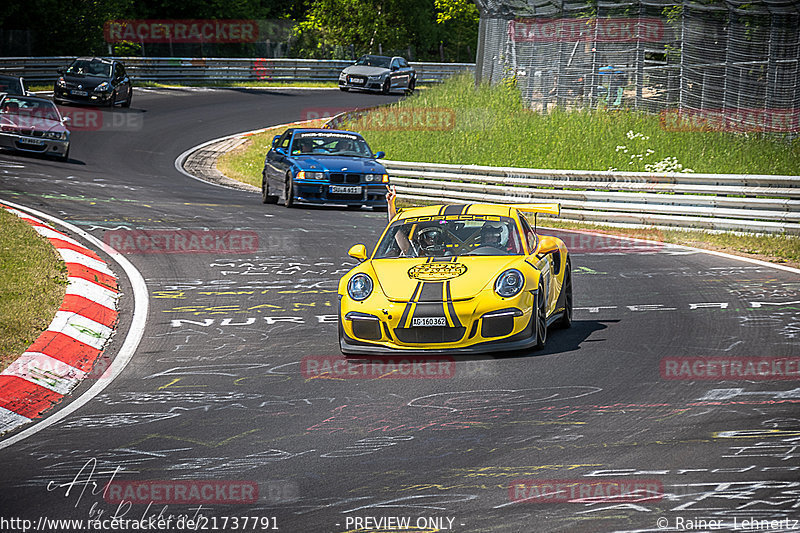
[[456, 279]]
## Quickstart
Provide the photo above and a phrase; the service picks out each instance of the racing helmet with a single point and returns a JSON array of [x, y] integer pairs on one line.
[[430, 240], [494, 234]]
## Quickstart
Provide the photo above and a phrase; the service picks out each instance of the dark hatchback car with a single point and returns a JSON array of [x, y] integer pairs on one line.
[[93, 81], [323, 166]]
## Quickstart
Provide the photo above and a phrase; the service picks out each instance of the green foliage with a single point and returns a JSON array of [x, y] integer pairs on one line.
[[492, 127]]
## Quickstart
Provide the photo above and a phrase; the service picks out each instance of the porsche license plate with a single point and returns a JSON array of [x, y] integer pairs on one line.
[[80, 93], [339, 189], [426, 322], [28, 140]]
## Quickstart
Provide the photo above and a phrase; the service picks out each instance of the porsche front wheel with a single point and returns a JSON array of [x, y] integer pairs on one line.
[[566, 319], [541, 317]]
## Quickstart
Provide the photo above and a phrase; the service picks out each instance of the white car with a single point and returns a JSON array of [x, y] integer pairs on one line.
[[379, 73]]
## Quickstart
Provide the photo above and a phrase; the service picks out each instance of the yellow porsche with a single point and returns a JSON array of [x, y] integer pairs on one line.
[[456, 279]]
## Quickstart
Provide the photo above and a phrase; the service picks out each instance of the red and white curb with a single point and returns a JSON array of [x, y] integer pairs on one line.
[[68, 351]]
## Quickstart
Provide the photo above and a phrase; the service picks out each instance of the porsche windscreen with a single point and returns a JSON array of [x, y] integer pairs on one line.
[[448, 236], [333, 143]]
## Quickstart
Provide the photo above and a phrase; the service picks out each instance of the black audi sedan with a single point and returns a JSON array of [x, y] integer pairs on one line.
[[94, 81]]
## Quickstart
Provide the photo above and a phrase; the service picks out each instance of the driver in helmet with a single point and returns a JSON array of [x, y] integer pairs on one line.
[[429, 241], [492, 235]]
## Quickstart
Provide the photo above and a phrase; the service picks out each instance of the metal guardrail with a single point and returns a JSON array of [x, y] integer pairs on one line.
[[765, 204], [210, 69]]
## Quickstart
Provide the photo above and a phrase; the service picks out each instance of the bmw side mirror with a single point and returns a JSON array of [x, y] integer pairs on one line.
[[275, 140], [380, 155], [61, 70], [358, 251], [66, 120]]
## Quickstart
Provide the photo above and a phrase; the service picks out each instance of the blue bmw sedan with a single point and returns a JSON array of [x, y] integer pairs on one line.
[[323, 167]]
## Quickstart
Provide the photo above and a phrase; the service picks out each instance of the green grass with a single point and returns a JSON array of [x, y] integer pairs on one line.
[[492, 127], [32, 284]]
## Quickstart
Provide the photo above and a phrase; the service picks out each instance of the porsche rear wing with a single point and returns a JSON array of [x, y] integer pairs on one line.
[[548, 209]]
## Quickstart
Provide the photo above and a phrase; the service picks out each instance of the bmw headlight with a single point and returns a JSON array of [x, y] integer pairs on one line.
[[509, 283], [58, 135], [105, 86], [359, 287], [303, 175]]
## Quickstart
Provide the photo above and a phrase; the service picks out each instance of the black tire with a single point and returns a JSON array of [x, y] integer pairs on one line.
[[345, 89], [127, 103], [266, 198], [288, 190], [540, 327], [566, 319], [387, 87], [411, 86]]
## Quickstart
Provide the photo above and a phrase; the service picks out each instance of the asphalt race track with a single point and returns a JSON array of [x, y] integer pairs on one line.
[[216, 392]]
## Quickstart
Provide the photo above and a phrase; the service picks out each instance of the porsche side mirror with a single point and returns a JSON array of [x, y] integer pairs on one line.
[[380, 155], [275, 140], [547, 244], [358, 251]]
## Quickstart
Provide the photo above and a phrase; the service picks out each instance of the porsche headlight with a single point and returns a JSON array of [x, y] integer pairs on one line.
[[105, 86], [359, 287], [509, 283]]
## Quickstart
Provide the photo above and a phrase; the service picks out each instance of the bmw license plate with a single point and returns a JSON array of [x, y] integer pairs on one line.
[[28, 140], [339, 189], [429, 322], [80, 93]]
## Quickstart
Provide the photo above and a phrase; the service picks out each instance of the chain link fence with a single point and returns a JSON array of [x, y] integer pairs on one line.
[[706, 65]]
